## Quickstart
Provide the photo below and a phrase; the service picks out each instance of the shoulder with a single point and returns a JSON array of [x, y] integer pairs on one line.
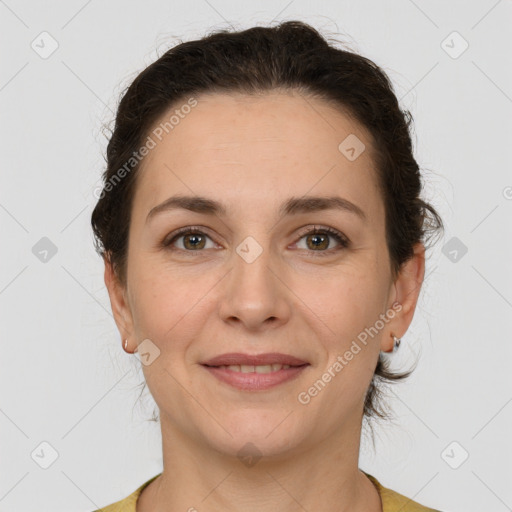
[[393, 501], [127, 504]]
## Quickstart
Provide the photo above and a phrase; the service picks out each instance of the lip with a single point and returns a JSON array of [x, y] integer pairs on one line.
[[255, 381], [234, 358]]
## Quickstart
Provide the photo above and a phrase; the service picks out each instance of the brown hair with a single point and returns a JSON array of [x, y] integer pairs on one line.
[[293, 56]]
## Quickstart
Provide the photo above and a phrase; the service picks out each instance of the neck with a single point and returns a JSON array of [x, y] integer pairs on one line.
[[324, 477]]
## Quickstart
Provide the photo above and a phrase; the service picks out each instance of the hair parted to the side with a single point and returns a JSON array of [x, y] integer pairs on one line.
[[289, 56]]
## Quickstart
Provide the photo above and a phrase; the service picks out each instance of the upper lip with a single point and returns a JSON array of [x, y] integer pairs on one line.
[[234, 358]]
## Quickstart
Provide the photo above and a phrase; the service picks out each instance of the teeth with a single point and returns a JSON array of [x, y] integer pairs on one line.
[[263, 368]]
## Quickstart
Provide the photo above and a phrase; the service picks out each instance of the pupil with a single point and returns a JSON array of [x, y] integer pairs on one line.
[[196, 240], [318, 240]]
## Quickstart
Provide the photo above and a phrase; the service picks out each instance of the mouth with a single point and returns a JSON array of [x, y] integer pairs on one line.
[[260, 368], [240, 359], [255, 372]]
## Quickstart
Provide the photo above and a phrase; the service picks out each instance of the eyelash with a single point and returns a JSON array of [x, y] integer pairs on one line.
[[339, 237]]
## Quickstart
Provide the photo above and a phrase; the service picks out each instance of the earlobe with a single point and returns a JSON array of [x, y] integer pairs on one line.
[[120, 307]]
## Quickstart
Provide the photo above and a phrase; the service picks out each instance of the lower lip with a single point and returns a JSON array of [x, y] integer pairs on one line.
[[255, 381]]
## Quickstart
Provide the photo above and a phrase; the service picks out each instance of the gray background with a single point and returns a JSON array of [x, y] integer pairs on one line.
[[65, 379]]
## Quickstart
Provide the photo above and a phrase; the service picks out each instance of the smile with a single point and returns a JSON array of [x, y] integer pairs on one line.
[[255, 377], [263, 368]]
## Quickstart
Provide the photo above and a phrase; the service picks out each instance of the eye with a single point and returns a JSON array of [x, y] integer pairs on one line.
[[193, 240], [318, 239]]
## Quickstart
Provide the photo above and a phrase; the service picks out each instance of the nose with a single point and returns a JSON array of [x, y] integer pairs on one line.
[[254, 293]]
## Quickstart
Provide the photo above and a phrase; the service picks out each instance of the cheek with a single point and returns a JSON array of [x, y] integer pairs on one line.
[[156, 304], [166, 305], [346, 303], [352, 351]]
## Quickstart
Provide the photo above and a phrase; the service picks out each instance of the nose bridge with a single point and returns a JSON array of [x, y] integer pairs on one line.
[[252, 263], [254, 292]]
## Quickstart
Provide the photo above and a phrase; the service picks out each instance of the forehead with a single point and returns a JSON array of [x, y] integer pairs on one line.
[[244, 148]]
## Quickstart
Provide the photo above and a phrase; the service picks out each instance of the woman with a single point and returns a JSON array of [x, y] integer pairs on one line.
[[263, 239]]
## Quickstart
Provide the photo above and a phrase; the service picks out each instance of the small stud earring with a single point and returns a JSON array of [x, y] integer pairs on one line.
[[396, 342]]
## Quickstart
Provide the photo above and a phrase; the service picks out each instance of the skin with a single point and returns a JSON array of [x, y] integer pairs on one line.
[[253, 153]]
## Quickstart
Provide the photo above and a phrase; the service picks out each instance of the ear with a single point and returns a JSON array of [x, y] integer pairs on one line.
[[407, 287], [120, 306]]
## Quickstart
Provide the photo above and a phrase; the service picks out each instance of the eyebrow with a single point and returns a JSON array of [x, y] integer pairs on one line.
[[292, 206]]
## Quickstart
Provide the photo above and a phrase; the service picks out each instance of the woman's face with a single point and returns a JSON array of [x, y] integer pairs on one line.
[[253, 279]]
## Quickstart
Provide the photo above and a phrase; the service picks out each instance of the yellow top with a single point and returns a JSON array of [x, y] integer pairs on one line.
[[391, 500]]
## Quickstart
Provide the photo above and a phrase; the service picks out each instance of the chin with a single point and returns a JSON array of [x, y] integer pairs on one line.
[[256, 433]]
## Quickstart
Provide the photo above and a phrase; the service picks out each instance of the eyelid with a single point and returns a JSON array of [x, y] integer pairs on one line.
[[171, 237], [320, 229], [340, 237]]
